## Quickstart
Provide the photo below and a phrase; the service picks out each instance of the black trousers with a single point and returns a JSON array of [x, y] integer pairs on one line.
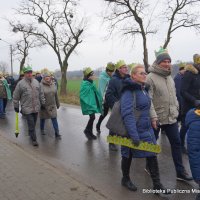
[[31, 121], [105, 112], [90, 123]]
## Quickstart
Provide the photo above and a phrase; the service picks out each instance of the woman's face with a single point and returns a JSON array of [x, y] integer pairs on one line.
[[140, 75], [47, 78]]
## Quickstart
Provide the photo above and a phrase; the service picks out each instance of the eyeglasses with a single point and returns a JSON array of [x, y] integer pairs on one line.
[[142, 73]]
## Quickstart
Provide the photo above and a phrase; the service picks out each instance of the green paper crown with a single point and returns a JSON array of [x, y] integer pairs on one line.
[[119, 64]]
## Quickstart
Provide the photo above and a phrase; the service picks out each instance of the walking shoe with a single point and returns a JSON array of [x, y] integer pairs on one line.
[[42, 132], [34, 143], [98, 129], [126, 182], [113, 147], [94, 137], [184, 150], [183, 177], [58, 136], [87, 134], [147, 171]]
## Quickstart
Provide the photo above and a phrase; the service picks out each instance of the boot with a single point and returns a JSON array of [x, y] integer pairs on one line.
[[94, 137], [152, 163], [87, 134], [57, 135], [126, 181]]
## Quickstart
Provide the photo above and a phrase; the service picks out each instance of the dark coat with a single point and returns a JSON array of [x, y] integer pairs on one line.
[[113, 92], [140, 130], [193, 142], [178, 81], [190, 88]]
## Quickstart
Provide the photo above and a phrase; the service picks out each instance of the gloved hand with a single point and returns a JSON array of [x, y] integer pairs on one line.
[[136, 142], [197, 103], [42, 107], [16, 110]]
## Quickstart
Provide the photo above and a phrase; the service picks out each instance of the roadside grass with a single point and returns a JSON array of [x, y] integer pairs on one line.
[[73, 88]]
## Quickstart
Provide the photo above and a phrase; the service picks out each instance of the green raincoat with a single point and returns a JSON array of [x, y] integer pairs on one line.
[[89, 98]]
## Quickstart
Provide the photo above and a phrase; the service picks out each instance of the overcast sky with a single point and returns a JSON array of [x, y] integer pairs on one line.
[[94, 51]]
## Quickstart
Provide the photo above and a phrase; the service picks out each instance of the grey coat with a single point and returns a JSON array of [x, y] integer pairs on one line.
[[52, 101], [163, 95], [29, 94]]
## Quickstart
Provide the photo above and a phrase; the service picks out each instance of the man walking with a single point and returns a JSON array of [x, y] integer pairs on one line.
[[163, 94], [113, 92], [190, 92], [104, 79], [28, 93]]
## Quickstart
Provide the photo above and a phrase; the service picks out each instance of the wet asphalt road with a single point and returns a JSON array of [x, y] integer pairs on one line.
[[91, 162]]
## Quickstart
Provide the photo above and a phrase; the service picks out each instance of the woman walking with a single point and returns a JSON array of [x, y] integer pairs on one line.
[[135, 99], [49, 110], [90, 101]]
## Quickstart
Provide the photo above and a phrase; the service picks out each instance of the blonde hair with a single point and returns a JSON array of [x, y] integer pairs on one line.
[[135, 67]]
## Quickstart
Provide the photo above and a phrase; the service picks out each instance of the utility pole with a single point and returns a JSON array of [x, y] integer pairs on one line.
[[11, 59], [11, 56]]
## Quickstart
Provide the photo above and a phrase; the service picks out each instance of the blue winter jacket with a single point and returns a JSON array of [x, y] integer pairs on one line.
[[192, 121], [140, 130]]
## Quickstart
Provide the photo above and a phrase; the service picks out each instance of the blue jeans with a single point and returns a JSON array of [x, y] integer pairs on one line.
[[174, 138], [54, 122]]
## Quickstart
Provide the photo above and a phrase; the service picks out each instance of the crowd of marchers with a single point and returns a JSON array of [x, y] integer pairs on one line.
[[150, 103]]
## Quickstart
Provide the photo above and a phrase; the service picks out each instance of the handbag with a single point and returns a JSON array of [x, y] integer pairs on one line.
[[115, 122]]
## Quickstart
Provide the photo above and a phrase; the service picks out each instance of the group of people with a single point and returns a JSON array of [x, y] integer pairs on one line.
[[160, 101], [154, 95], [33, 93]]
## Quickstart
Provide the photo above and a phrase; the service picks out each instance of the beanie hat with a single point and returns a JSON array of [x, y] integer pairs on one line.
[[87, 71], [119, 64], [27, 69], [196, 58], [162, 54], [110, 66]]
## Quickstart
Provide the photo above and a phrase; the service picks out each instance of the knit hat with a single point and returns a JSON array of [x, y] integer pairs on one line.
[[27, 69], [119, 64], [162, 54], [196, 58], [1, 74], [87, 71], [110, 66]]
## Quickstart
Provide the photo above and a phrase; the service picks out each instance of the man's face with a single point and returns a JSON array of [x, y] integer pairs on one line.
[[165, 64], [28, 74], [123, 70]]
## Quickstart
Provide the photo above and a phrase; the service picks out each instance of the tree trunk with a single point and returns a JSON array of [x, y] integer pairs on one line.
[[145, 60], [63, 84], [21, 65]]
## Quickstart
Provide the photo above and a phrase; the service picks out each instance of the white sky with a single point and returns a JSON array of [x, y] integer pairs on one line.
[[94, 51]]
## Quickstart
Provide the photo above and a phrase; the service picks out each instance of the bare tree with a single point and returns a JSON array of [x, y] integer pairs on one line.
[[58, 28], [22, 47], [3, 66], [132, 18], [181, 14]]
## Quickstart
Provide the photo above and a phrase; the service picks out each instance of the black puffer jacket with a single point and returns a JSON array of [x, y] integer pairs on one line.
[[190, 88]]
